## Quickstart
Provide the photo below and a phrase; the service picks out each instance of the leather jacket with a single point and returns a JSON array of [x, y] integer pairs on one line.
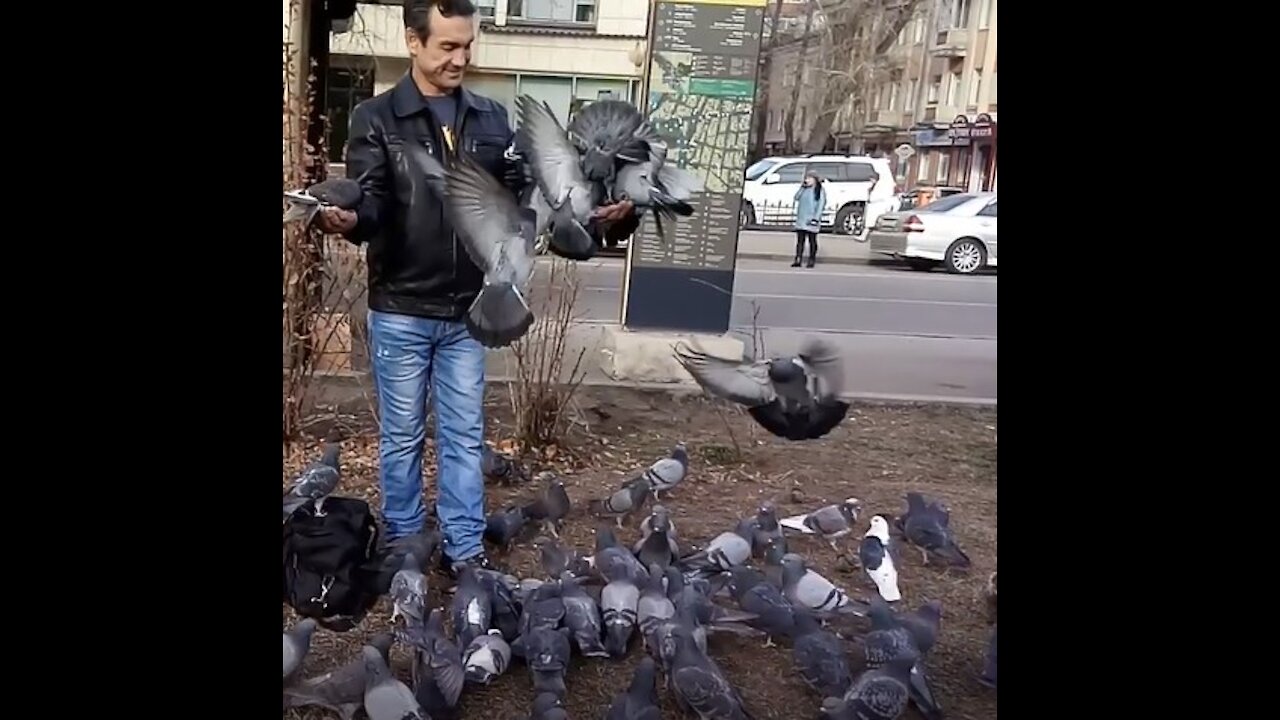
[[417, 266]]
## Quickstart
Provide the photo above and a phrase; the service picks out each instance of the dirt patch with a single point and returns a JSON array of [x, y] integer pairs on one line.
[[878, 454]]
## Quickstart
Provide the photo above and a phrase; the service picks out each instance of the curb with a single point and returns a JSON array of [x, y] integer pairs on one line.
[[789, 258]]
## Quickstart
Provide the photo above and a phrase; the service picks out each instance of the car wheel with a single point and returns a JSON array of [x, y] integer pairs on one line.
[[965, 256], [746, 215], [849, 220], [921, 264]]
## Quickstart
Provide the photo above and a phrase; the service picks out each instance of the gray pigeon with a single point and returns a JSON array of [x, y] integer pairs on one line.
[[727, 550], [657, 545], [505, 527], [555, 559], [543, 608], [438, 672], [881, 693], [988, 676], [832, 522], [422, 546], [340, 690], [796, 398], [756, 595], [707, 613], [640, 701], [806, 588], [487, 657], [767, 528], [608, 133], [551, 508], [409, 590], [619, 608], [385, 697], [927, 525], [557, 172], [582, 617], [700, 688], [297, 642], [502, 591], [654, 607], [497, 234], [470, 608], [547, 651], [336, 192], [548, 706], [819, 657], [501, 467], [668, 472], [887, 639], [613, 561], [625, 502], [316, 482], [657, 185]]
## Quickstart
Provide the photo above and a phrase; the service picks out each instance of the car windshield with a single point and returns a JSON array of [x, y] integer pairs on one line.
[[950, 202], [759, 168]]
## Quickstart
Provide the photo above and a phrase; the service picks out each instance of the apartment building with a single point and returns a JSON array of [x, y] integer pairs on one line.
[[565, 52]]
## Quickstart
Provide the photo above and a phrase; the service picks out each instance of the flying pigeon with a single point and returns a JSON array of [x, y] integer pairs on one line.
[[927, 525], [385, 697], [438, 672], [625, 502], [297, 642], [657, 544], [316, 482], [551, 508], [470, 608], [807, 589], [333, 192], [640, 701], [608, 133], [832, 522], [566, 195], [497, 234], [501, 467], [340, 690], [796, 398], [582, 617], [819, 657], [877, 560], [486, 657], [668, 472], [409, 591], [655, 184]]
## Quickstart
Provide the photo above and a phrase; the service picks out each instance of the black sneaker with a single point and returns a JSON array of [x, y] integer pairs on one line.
[[453, 567]]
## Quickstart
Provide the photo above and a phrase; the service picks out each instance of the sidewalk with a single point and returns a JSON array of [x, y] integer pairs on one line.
[[781, 245]]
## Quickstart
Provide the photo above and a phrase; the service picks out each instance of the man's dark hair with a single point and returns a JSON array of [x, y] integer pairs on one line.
[[417, 13]]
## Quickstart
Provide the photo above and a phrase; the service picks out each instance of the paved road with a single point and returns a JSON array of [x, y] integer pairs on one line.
[[906, 334]]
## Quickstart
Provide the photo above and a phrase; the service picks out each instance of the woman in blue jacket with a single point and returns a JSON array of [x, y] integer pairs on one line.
[[809, 199]]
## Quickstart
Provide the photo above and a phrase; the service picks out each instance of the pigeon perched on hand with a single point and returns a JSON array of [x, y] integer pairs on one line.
[[497, 234], [385, 697], [832, 522], [297, 642], [668, 472], [625, 502], [564, 200], [334, 192], [655, 184], [340, 690], [795, 398], [877, 560], [316, 482], [927, 525], [486, 657]]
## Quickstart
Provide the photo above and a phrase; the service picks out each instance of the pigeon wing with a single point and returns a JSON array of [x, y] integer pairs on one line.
[[821, 358], [553, 159], [743, 383]]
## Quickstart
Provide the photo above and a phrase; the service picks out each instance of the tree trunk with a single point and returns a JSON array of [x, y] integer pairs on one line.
[[799, 83], [762, 91]]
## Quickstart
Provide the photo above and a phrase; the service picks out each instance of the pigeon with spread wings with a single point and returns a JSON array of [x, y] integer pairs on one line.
[[568, 199], [497, 234], [796, 398]]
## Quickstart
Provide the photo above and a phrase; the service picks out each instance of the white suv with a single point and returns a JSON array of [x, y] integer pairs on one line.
[[853, 203]]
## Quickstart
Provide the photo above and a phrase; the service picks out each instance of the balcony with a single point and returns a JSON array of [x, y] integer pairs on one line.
[[951, 44]]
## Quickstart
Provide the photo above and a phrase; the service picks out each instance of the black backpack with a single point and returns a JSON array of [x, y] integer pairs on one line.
[[330, 562]]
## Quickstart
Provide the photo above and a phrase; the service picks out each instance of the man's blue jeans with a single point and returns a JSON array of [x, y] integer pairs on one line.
[[416, 359]]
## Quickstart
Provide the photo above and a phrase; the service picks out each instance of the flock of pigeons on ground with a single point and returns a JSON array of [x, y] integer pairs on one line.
[[747, 581]]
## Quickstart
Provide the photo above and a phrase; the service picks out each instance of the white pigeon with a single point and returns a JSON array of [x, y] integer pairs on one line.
[[877, 560]]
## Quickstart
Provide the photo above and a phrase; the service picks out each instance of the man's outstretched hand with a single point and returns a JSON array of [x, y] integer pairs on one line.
[[335, 221], [615, 212]]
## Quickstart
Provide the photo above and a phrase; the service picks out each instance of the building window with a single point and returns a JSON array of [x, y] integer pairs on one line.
[[922, 165], [960, 14], [953, 89], [575, 11], [984, 14], [975, 87], [487, 8], [935, 87], [912, 87], [917, 33], [893, 96], [349, 85], [944, 164], [875, 99]]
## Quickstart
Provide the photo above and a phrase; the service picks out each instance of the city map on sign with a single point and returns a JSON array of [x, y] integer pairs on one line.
[[702, 84]]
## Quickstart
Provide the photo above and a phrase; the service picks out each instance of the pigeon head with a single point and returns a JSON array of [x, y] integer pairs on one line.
[[545, 702], [851, 506], [746, 529], [681, 453], [785, 371], [660, 520], [879, 529], [767, 515], [931, 610], [915, 502], [792, 569]]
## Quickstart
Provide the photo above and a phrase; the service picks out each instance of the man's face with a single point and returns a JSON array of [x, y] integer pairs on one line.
[[443, 58]]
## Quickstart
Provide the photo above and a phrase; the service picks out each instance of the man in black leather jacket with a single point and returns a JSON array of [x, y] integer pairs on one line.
[[421, 280]]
